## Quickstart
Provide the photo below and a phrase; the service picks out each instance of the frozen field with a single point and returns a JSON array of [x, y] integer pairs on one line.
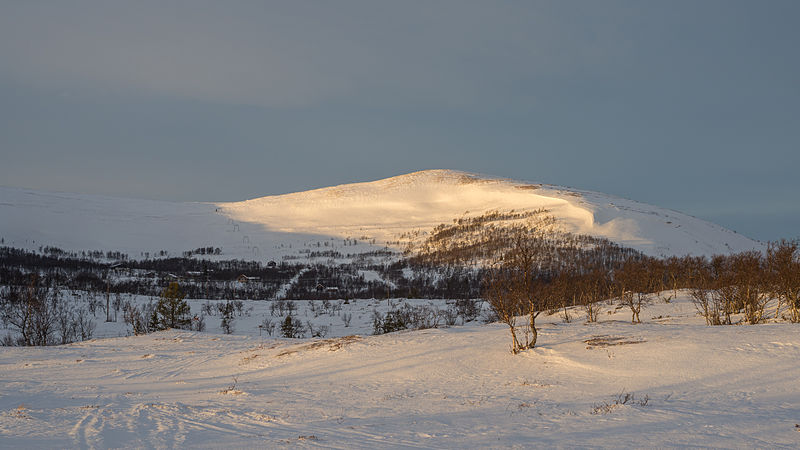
[[691, 385]]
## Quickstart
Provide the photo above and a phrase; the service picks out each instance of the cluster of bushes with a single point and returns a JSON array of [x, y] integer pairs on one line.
[[408, 317], [41, 316], [170, 311], [722, 287], [203, 251], [744, 283], [293, 327]]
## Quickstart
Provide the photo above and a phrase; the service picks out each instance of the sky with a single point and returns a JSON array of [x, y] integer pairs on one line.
[[689, 105]]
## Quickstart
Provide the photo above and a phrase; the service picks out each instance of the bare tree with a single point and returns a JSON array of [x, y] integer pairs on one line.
[[592, 288], [749, 277], [632, 282], [783, 262], [521, 262], [268, 325], [498, 291], [41, 316], [512, 288], [708, 303]]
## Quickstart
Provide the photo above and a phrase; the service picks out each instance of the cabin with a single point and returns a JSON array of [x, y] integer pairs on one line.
[[245, 279], [329, 289]]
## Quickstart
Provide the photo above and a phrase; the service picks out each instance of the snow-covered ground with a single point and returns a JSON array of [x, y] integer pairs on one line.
[[692, 385], [351, 219], [338, 317]]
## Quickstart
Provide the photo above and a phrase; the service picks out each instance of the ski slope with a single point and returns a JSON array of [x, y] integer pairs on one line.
[[375, 214]]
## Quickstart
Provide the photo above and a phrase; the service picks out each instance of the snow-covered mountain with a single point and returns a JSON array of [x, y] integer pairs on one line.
[[349, 219]]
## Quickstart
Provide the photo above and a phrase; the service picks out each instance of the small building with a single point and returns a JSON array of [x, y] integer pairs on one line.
[[322, 288], [246, 279]]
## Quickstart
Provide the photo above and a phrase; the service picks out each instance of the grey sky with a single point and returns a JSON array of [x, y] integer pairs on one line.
[[691, 105]]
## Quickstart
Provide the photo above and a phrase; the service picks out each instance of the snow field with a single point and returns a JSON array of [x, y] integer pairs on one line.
[[255, 311], [728, 386]]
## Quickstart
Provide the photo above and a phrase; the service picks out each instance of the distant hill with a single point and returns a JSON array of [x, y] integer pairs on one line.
[[346, 220]]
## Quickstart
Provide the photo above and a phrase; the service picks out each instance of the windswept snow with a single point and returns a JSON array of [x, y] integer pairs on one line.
[[375, 214], [693, 386]]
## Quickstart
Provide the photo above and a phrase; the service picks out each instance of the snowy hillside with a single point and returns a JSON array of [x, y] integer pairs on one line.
[[353, 218], [691, 386]]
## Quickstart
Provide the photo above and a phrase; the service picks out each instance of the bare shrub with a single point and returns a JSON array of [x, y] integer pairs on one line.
[[593, 288], [317, 332], [632, 282], [783, 265], [291, 307], [468, 309], [750, 281], [278, 307], [592, 311], [268, 325], [199, 323], [138, 318], [450, 316], [239, 306], [708, 305], [231, 389], [406, 317], [489, 315], [208, 308], [41, 316], [623, 398]]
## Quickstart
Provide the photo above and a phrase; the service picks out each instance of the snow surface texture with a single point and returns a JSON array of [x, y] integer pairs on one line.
[[374, 213], [692, 385]]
